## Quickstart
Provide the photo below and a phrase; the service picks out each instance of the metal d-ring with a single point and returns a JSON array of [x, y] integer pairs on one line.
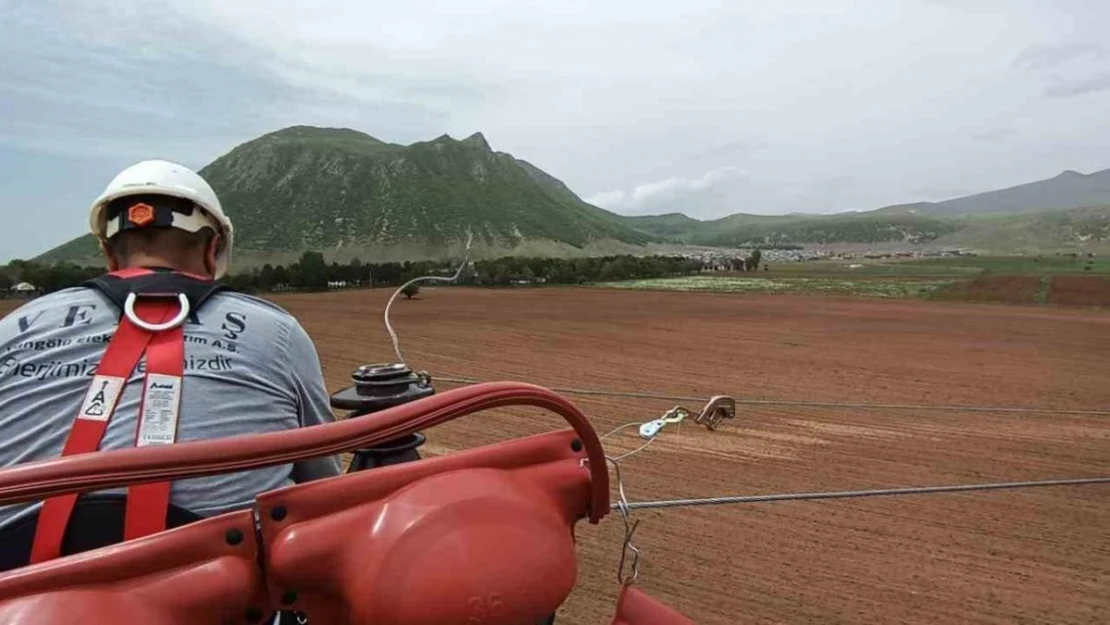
[[129, 310]]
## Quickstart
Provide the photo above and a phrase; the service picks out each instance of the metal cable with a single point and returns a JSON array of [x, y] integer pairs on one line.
[[400, 289], [883, 492], [618, 429], [810, 404], [577, 391]]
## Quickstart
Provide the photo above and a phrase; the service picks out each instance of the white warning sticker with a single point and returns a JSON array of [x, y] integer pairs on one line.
[[100, 399], [161, 401]]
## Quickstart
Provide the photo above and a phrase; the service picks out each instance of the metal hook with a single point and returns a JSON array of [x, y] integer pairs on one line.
[[129, 310], [629, 530], [674, 415], [628, 580]]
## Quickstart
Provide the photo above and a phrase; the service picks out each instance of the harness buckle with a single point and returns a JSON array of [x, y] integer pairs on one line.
[[129, 310]]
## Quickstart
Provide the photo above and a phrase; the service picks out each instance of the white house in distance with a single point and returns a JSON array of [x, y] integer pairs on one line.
[[24, 289]]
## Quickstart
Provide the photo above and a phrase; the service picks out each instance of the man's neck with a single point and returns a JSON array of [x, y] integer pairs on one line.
[[151, 261]]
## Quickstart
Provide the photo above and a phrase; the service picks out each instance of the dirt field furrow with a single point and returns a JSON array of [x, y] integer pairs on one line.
[[1033, 556]]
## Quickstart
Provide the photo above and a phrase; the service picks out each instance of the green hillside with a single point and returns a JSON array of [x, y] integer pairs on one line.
[[672, 226], [1087, 228], [1059, 213], [348, 194]]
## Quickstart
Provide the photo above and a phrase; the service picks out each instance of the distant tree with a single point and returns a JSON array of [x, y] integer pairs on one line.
[[410, 290], [282, 275], [266, 280], [312, 270], [244, 282], [527, 274], [752, 262], [355, 271], [16, 267], [501, 276]]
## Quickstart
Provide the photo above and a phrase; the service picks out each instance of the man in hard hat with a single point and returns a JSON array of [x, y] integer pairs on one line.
[[116, 363]]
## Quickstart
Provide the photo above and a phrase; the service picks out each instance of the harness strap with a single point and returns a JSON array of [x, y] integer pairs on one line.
[[157, 424], [147, 503]]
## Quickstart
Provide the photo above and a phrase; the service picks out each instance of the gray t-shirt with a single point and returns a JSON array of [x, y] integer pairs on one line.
[[249, 368]]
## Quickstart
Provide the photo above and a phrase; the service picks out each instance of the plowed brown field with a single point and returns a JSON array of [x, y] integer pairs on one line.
[[991, 288], [1029, 556], [1023, 556], [1080, 291]]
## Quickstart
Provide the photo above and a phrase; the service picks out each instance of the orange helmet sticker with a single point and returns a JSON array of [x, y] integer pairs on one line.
[[140, 214]]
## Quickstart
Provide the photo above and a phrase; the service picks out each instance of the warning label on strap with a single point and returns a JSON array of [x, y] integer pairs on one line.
[[161, 402]]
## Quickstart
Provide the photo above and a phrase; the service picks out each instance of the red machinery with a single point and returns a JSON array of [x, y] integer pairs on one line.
[[484, 536]]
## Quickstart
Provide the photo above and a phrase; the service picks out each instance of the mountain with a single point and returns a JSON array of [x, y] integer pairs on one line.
[[1071, 209], [349, 195], [1085, 228], [1069, 189], [672, 225]]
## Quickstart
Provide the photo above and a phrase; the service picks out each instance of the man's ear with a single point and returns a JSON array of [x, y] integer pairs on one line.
[[109, 256], [210, 254]]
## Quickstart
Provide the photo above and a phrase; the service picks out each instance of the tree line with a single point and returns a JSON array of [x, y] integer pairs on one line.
[[312, 273], [46, 278]]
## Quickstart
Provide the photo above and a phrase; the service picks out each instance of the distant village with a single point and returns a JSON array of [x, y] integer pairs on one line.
[[733, 259]]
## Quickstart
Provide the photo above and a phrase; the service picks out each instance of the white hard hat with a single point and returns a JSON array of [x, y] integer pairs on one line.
[[163, 178]]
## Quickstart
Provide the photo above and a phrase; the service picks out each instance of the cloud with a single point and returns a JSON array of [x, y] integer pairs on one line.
[[996, 134], [670, 192], [730, 149], [71, 90], [1078, 86], [1069, 69], [1045, 56]]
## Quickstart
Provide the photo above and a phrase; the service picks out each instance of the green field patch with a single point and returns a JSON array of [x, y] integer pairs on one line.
[[864, 268], [1014, 265], [839, 286]]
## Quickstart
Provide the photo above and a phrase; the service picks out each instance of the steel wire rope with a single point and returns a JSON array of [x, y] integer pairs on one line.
[[846, 494], [810, 404], [625, 506]]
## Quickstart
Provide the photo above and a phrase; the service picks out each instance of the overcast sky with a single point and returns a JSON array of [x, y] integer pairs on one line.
[[640, 106]]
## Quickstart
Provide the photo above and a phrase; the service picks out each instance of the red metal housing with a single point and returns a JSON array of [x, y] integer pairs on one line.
[[482, 536]]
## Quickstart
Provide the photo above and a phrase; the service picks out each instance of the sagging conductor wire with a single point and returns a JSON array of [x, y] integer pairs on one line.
[[400, 289]]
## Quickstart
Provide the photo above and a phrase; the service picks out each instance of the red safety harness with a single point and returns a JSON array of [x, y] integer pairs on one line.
[[155, 304]]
